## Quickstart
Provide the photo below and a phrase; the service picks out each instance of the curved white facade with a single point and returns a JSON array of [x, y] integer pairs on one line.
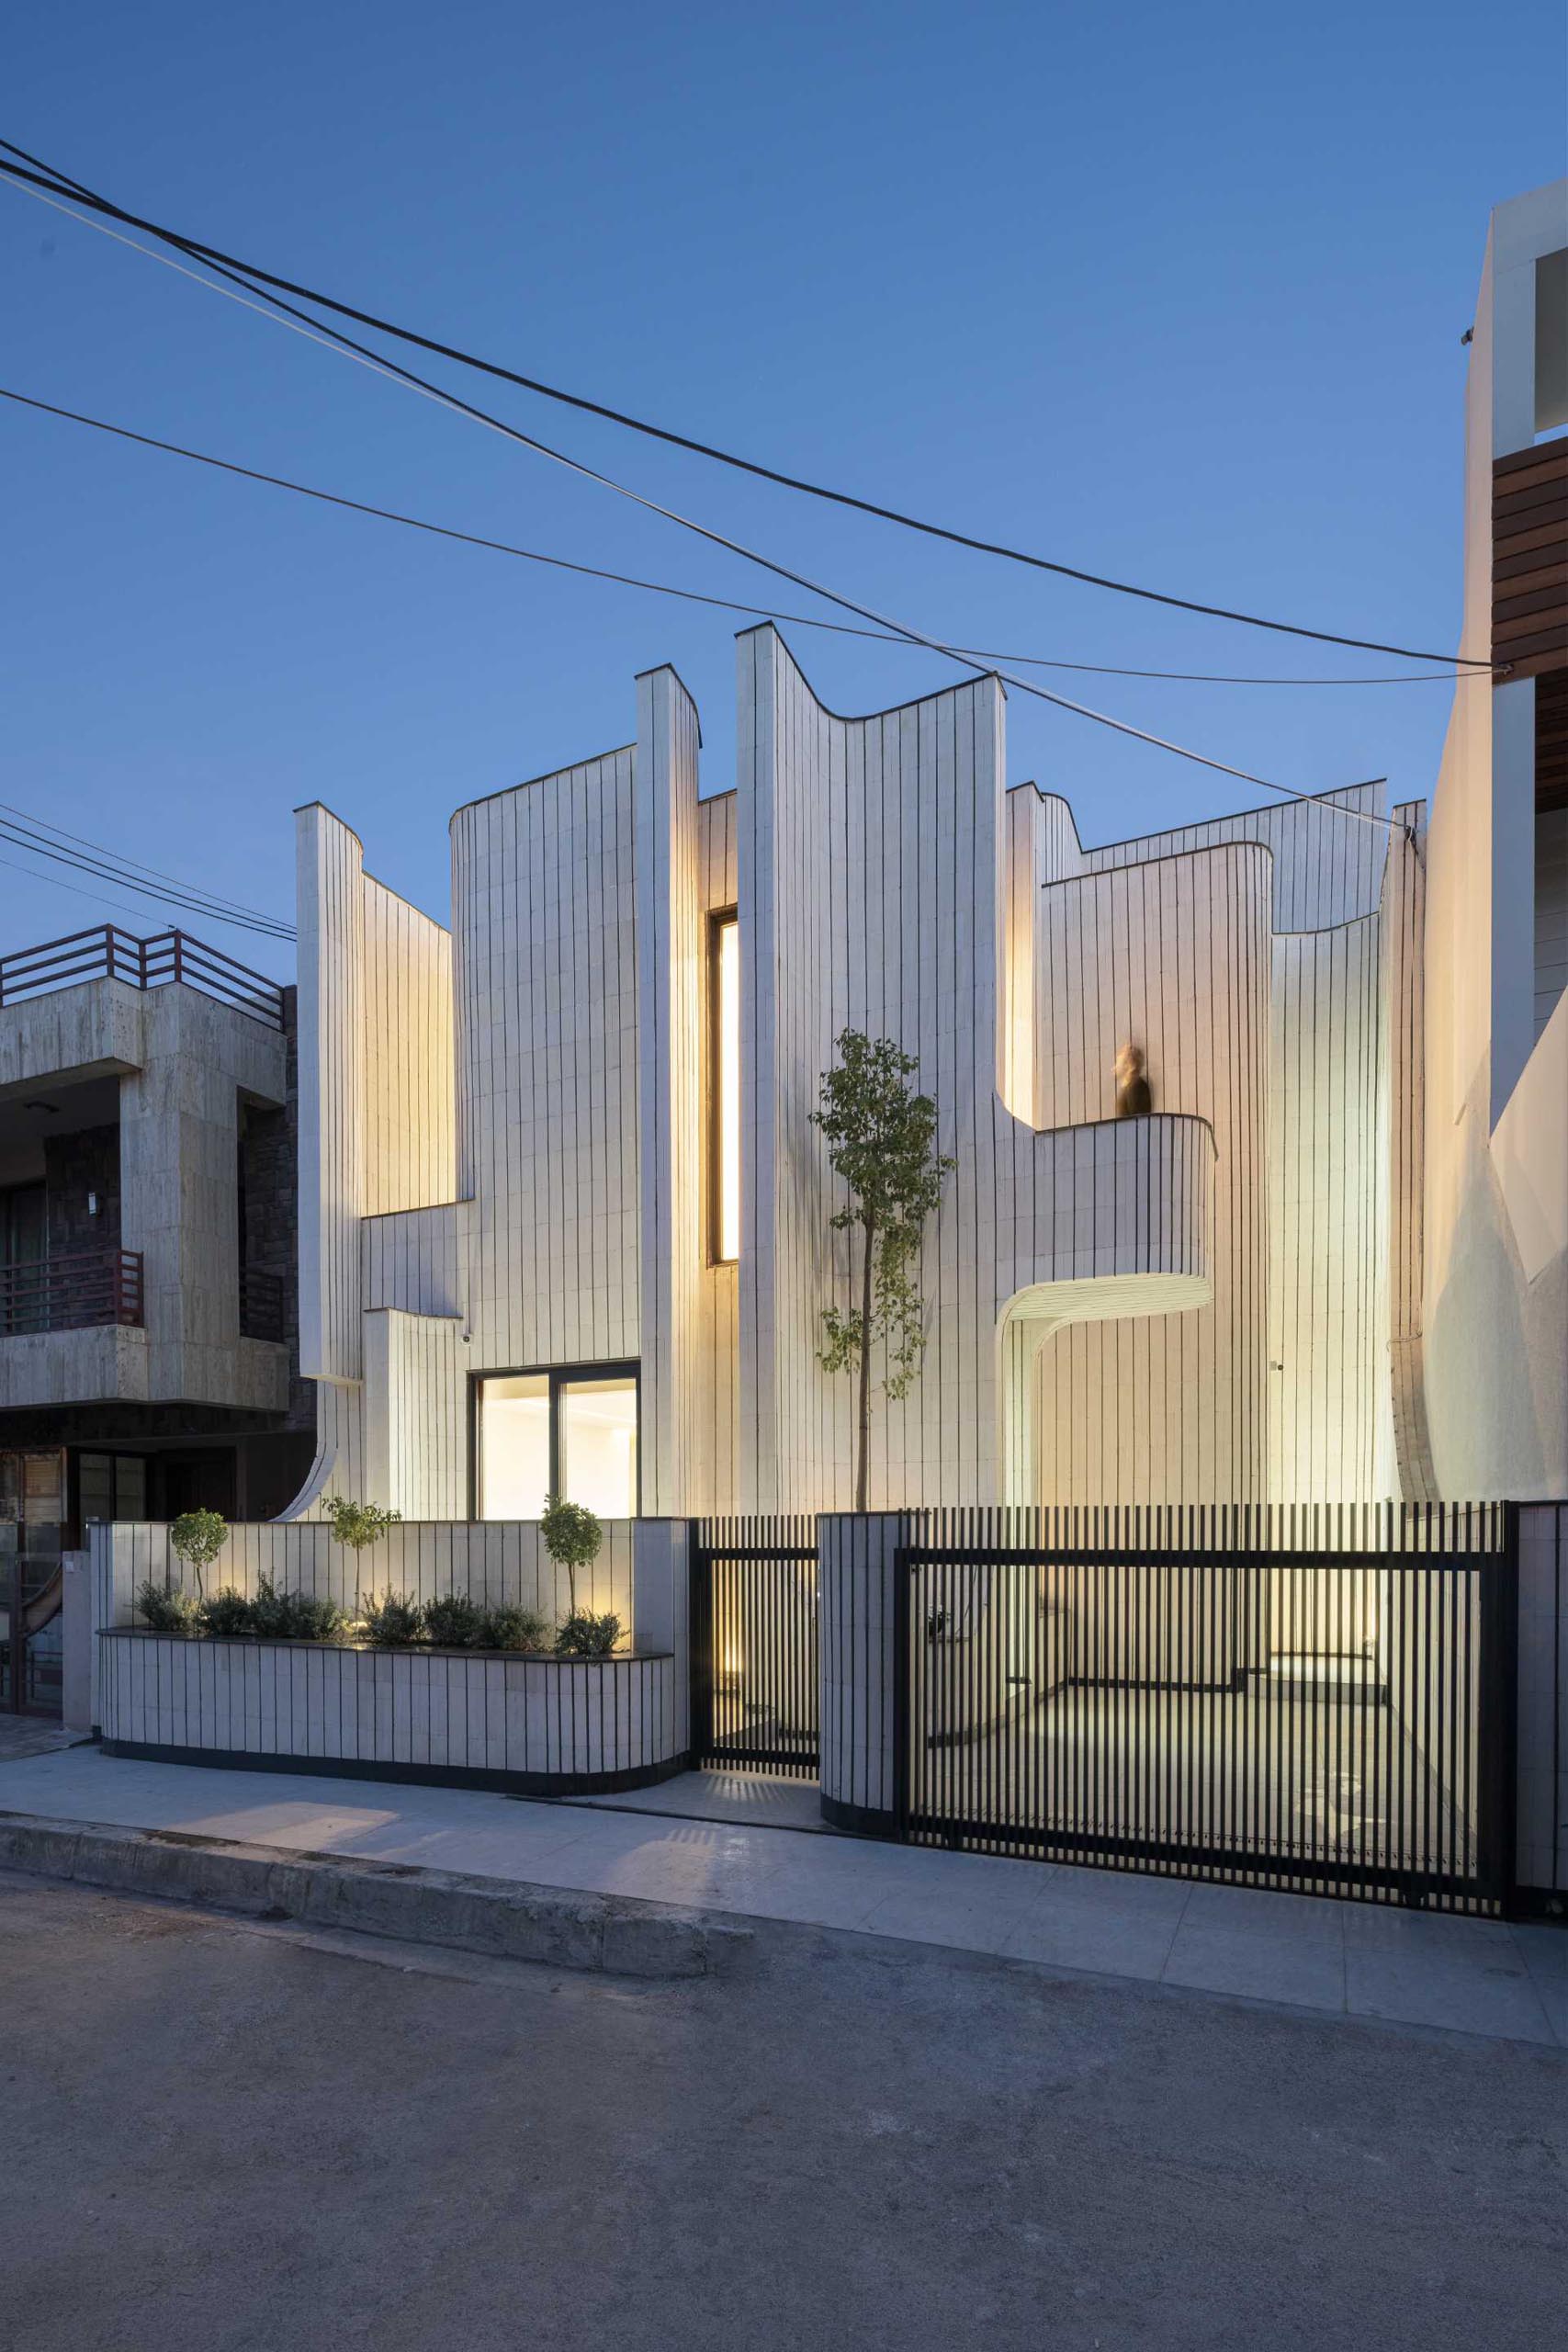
[[1199, 1305]]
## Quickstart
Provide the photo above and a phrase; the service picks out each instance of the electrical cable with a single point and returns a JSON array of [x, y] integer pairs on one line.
[[332, 338], [207, 901], [215, 256], [689, 595], [105, 869]]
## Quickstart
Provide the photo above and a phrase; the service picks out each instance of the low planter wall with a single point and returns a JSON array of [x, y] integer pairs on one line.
[[535, 1725], [542, 1727]]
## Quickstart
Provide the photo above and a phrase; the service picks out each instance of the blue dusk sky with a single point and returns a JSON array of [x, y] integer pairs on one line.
[[1173, 294]]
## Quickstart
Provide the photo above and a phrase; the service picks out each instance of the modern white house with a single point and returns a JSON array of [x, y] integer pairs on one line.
[[1222, 1528], [565, 1221]]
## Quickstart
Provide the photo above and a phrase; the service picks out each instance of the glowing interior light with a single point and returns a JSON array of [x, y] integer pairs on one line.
[[727, 1092]]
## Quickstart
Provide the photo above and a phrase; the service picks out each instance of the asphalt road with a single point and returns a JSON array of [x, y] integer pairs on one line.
[[218, 2135]]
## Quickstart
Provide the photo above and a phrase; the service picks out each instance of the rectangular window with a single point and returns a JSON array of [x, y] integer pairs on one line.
[[724, 1089], [597, 1424], [514, 1445], [571, 1432]]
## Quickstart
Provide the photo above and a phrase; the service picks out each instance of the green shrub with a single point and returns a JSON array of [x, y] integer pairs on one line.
[[317, 1620], [293, 1616], [585, 1635], [197, 1537], [452, 1621], [168, 1612], [510, 1628], [227, 1613], [391, 1620]]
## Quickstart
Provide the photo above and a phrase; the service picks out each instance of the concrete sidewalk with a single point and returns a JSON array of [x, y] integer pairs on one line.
[[1332, 1959]]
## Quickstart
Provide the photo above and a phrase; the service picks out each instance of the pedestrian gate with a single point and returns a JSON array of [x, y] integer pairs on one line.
[[753, 1645]]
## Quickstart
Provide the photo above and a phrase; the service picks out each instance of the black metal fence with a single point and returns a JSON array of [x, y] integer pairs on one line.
[[753, 1645], [1314, 1699]]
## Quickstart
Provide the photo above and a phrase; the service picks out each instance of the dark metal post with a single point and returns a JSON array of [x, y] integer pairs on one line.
[[1497, 1731], [903, 1684], [18, 1631], [700, 1637]]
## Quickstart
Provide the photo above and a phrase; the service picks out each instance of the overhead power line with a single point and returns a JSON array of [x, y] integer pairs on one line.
[[47, 177], [690, 596], [31, 834], [332, 338]]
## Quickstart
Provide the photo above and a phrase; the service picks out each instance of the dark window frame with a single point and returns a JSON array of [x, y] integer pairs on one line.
[[560, 1376]]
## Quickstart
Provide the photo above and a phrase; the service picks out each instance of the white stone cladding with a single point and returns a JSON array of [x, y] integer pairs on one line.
[[1209, 1303]]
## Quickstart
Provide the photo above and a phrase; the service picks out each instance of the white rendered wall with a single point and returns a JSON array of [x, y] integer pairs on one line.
[[671, 975], [1495, 1338], [1172, 955], [872, 894], [545, 914], [377, 1114]]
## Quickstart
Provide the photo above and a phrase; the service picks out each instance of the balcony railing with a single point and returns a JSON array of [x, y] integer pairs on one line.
[[261, 1304], [108, 952], [78, 1291]]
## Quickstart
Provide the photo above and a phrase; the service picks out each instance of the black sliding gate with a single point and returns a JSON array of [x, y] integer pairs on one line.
[[1322, 1700], [753, 1645]]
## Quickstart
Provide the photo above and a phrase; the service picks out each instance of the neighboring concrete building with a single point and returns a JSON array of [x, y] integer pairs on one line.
[[147, 1314], [1496, 1311]]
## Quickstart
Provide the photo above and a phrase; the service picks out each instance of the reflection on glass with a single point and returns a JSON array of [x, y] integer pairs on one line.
[[514, 1445], [726, 1090], [598, 1445]]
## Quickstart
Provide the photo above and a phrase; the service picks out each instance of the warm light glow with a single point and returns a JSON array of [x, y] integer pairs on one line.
[[598, 1445], [514, 1445], [727, 1090]]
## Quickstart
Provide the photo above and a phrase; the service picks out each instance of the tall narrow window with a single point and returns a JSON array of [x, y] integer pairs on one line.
[[724, 1065]]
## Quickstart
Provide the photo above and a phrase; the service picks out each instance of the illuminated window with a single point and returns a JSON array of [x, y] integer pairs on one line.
[[565, 1432], [597, 1434], [514, 1445], [724, 1064]]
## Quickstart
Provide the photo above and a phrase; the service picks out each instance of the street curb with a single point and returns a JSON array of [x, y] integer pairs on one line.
[[502, 1917]]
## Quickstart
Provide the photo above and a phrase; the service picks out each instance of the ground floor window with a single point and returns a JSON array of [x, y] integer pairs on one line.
[[565, 1430]]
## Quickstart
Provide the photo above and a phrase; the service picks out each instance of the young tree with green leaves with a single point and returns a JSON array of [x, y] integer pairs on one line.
[[881, 1139]]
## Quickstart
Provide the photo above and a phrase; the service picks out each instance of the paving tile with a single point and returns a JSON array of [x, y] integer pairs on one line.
[[1545, 1954], [1306, 1971], [1467, 1996], [1391, 1928], [1264, 1911], [1105, 1944]]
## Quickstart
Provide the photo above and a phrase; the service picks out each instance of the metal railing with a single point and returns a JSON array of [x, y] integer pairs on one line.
[[261, 1304], [78, 1291], [108, 952]]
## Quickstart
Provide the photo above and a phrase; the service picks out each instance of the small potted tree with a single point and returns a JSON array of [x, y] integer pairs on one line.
[[357, 1526], [573, 1537], [196, 1537]]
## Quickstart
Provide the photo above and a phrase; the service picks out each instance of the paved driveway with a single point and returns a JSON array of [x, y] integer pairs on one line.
[[223, 2137]]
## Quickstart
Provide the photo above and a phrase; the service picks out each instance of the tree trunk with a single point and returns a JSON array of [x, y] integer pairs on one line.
[[862, 1436]]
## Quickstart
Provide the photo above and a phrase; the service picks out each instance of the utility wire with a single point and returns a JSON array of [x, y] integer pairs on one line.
[[332, 338], [105, 869], [207, 901], [215, 256], [690, 596]]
